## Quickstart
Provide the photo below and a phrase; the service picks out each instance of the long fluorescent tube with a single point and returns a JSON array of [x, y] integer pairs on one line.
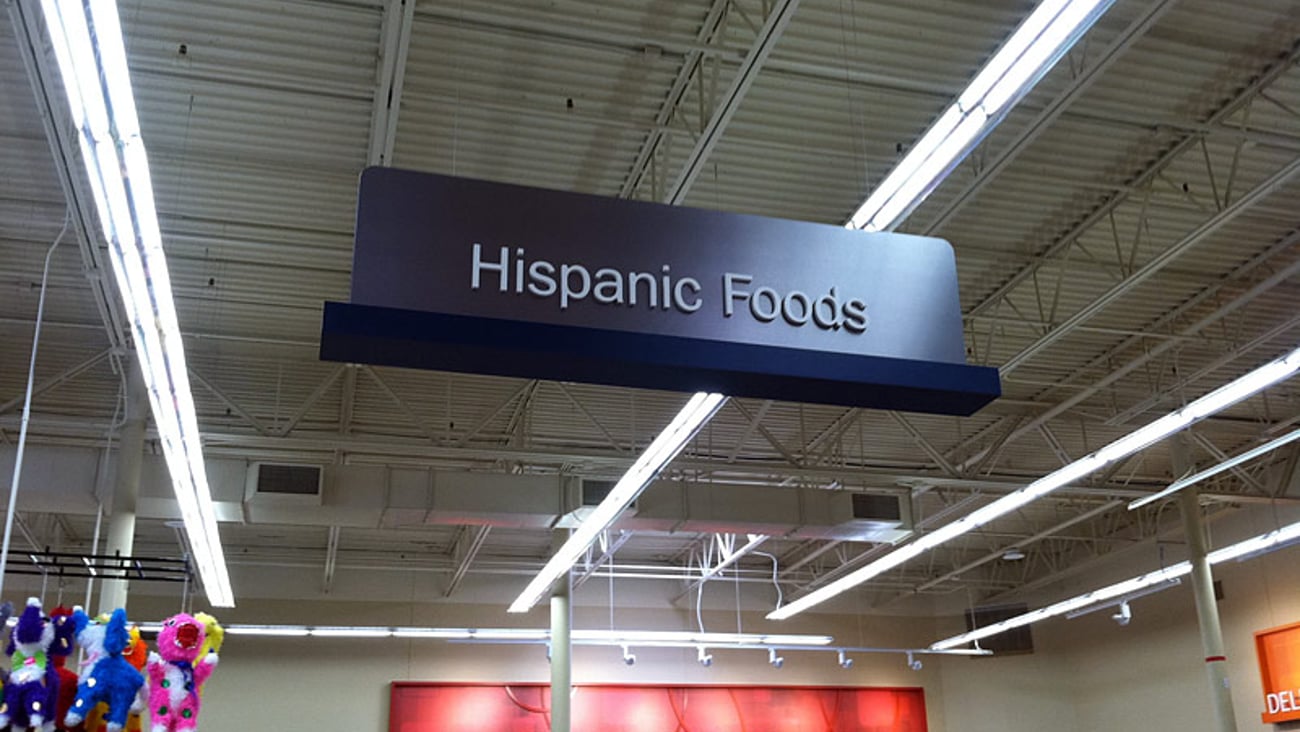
[[1214, 470], [1027, 55], [344, 632], [280, 631], [689, 638], [1219, 399], [1255, 545], [698, 410], [87, 42]]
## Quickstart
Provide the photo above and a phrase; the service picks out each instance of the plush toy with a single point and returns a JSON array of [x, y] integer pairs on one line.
[[111, 680], [177, 674], [214, 634], [6, 612], [65, 630], [136, 654], [32, 691]]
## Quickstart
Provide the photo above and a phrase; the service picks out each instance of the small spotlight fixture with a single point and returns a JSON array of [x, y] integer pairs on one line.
[[629, 658], [1125, 614], [1013, 555], [704, 657], [775, 660], [913, 662], [845, 661]]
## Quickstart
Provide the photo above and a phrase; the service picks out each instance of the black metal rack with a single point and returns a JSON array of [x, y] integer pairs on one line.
[[103, 566]]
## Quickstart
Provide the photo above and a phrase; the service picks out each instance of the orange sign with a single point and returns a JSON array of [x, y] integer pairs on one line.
[[1278, 650]]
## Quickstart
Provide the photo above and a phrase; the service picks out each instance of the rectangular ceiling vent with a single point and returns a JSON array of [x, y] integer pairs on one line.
[[286, 483], [871, 507], [582, 498], [874, 517], [594, 491]]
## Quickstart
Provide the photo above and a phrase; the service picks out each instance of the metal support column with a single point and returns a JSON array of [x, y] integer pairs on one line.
[[561, 656], [1207, 612], [126, 485]]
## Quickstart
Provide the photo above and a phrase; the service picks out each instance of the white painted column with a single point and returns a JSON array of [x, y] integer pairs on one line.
[[120, 534], [1207, 611], [561, 656]]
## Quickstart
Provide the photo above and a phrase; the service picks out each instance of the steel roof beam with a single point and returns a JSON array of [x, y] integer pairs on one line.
[[390, 75], [1169, 254], [468, 544], [47, 86], [1149, 354], [777, 20], [1080, 84], [1269, 75], [690, 67]]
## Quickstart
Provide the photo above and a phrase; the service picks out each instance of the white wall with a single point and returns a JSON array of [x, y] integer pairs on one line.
[[309, 684], [1091, 675]]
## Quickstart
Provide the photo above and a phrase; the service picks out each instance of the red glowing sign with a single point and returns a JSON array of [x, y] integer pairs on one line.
[[426, 707]]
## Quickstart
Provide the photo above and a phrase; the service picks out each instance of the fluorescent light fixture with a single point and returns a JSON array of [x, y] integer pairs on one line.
[[689, 638], [443, 633], [1124, 599], [344, 632], [280, 631], [1219, 399], [509, 634], [87, 42], [1027, 55], [1129, 588], [698, 410], [1212, 471]]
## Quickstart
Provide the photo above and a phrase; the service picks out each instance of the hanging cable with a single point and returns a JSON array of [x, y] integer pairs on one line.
[[699, 595], [780, 596], [27, 405]]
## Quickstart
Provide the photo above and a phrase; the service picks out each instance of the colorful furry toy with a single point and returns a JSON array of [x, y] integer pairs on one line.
[[111, 679], [32, 690], [177, 674], [136, 654], [214, 634], [65, 631], [6, 612]]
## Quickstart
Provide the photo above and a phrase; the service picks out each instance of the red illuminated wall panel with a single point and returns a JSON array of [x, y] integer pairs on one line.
[[434, 707]]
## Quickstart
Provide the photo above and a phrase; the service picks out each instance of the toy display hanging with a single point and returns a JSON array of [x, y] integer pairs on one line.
[[111, 679], [31, 693], [177, 673]]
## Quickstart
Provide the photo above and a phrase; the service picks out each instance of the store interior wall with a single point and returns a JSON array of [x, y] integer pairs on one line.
[[1085, 675]]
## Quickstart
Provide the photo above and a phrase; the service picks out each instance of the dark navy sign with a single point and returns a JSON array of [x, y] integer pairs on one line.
[[467, 275]]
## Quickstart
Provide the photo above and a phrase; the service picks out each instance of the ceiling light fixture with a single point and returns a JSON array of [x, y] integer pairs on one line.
[[1219, 399], [1130, 588], [698, 410], [87, 42], [1210, 472], [1014, 69]]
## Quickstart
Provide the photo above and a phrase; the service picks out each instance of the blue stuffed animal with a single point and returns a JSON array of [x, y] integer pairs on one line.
[[112, 680]]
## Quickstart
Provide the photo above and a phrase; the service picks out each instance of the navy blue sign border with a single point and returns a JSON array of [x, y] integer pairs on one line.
[[416, 339]]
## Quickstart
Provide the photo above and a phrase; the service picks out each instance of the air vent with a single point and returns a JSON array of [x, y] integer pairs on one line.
[[594, 491], [286, 483], [871, 507], [584, 495]]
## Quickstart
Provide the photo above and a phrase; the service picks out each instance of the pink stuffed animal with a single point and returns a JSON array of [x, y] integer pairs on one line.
[[176, 673]]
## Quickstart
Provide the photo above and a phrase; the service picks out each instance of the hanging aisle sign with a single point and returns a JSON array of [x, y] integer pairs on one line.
[[466, 275]]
